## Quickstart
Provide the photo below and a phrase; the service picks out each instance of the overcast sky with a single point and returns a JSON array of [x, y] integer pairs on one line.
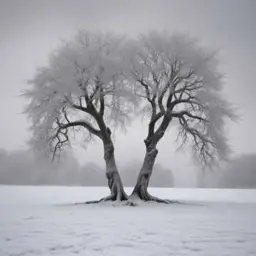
[[31, 29]]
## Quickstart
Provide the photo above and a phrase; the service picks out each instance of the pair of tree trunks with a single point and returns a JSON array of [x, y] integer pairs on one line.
[[140, 191]]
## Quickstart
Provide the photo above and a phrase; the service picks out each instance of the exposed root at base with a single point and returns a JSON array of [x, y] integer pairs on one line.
[[143, 195], [158, 200], [132, 200], [115, 202], [104, 199], [150, 198]]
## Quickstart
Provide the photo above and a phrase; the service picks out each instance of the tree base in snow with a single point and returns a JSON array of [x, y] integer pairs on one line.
[[133, 200], [141, 192]]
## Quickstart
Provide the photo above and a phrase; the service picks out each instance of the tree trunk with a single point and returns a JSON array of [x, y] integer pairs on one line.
[[114, 181], [141, 187]]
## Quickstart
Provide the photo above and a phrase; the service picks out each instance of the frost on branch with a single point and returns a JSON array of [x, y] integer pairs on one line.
[[82, 89], [179, 80]]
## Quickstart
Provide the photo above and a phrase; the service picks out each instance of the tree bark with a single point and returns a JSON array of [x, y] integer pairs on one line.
[[114, 181], [141, 187]]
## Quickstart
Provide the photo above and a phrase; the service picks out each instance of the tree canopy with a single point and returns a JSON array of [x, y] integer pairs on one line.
[[180, 81], [83, 83]]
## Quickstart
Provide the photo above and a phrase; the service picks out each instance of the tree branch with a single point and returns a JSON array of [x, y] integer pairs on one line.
[[84, 124], [184, 112], [202, 144], [79, 107]]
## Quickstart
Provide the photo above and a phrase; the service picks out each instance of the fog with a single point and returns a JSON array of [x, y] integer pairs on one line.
[[30, 30], [22, 167], [26, 168], [239, 172]]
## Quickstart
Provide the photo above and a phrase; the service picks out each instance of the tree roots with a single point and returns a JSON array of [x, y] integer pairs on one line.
[[104, 199], [149, 198], [132, 200], [118, 195]]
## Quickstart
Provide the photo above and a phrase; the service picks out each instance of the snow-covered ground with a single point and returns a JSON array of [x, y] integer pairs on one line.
[[45, 221]]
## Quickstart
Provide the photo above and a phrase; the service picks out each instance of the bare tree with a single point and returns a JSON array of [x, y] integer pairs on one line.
[[87, 87], [81, 91], [180, 84]]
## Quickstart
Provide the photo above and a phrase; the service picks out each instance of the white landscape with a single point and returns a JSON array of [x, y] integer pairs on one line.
[[47, 221], [159, 93]]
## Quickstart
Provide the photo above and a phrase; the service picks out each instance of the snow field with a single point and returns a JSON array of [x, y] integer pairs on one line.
[[45, 221]]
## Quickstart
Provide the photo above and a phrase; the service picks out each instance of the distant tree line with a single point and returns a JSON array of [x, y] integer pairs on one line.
[[239, 172], [22, 167]]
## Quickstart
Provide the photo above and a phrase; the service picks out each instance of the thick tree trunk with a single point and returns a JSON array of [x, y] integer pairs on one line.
[[114, 181], [141, 187]]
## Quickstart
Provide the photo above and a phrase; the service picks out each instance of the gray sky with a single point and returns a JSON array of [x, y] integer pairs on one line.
[[31, 29]]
